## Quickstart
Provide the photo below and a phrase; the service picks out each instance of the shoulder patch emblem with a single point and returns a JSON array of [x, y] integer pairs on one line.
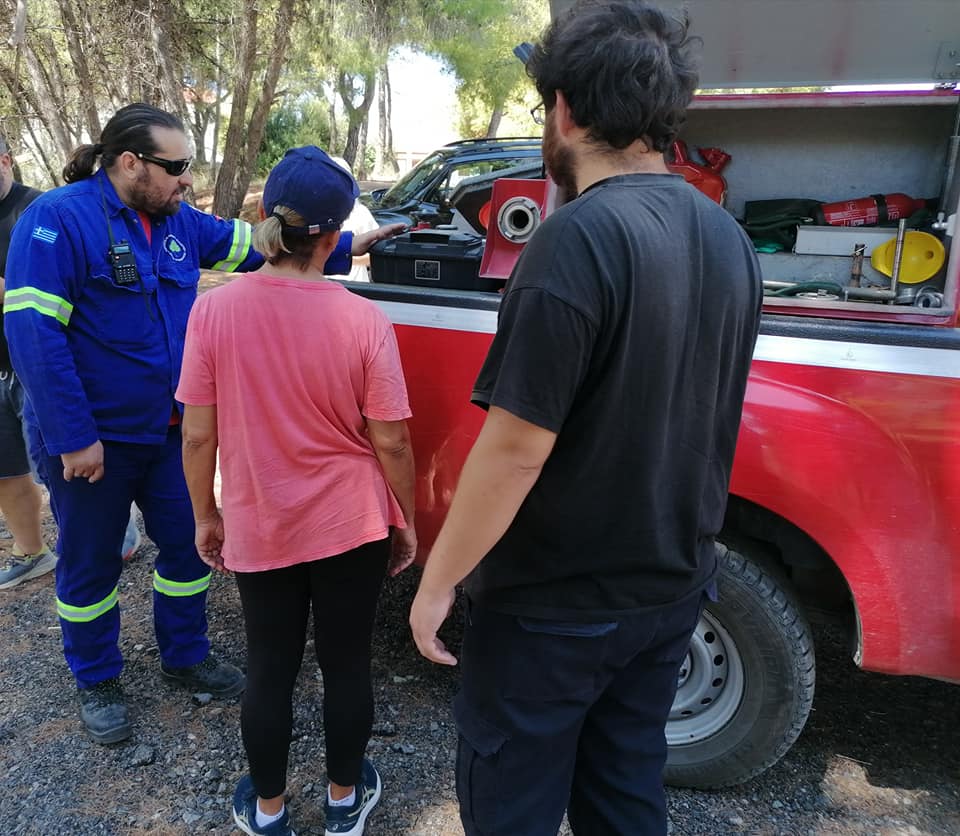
[[174, 247], [45, 234]]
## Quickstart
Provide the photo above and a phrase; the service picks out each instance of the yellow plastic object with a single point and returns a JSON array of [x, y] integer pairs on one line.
[[923, 256]]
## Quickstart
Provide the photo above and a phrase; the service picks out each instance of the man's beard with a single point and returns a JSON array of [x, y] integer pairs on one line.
[[145, 197], [559, 162]]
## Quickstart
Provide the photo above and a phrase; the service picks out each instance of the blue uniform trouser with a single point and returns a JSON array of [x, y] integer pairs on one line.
[[558, 716], [92, 519]]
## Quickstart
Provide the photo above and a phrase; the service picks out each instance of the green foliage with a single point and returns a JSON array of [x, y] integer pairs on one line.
[[474, 115], [80, 61], [477, 41], [302, 122]]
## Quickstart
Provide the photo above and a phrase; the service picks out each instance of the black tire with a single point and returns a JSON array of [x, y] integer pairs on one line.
[[747, 684]]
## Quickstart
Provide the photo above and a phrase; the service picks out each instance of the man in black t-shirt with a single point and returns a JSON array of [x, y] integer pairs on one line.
[[19, 494], [586, 511]]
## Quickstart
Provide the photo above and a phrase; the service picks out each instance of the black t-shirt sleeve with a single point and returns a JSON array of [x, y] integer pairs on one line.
[[538, 359]]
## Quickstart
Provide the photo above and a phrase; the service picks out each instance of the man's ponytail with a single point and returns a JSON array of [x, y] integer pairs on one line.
[[81, 163], [129, 129]]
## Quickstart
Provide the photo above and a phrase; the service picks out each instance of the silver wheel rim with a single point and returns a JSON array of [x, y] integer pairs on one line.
[[710, 685]]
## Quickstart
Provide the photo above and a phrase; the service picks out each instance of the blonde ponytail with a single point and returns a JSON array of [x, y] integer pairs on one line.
[[273, 242], [268, 236]]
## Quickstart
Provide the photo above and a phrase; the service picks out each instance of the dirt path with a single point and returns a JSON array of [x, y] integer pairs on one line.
[[878, 756]]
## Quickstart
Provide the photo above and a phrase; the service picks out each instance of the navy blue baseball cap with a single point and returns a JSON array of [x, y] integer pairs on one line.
[[314, 186]]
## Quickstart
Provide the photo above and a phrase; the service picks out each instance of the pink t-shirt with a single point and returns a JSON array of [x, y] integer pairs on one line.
[[293, 367]]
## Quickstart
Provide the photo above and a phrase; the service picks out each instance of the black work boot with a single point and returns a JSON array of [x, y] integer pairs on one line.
[[104, 712], [219, 679]]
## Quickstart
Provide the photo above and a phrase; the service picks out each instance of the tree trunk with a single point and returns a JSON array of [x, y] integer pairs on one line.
[[334, 133], [199, 123], [91, 36], [80, 66], [18, 36], [386, 157], [45, 101], [20, 94], [169, 72], [217, 113], [494, 125], [56, 177], [225, 200], [50, 66], [261, 110], [361, 167], [355, 114]]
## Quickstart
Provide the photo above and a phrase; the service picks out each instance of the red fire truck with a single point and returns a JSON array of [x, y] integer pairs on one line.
[[846, 487]]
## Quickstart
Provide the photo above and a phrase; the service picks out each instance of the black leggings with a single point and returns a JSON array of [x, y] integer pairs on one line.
[[276, 603]]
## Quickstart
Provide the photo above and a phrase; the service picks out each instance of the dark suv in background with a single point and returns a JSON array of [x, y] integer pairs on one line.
[[458, 175]]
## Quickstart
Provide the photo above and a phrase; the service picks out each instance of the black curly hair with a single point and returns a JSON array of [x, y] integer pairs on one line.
[[626, 69]]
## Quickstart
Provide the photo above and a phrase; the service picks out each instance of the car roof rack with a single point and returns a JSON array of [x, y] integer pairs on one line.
[[492, 140]]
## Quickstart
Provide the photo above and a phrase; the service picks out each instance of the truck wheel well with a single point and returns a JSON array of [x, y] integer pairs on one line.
[[795, 557]]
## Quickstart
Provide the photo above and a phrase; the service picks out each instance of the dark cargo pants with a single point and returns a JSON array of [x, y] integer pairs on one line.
[[558, 716]]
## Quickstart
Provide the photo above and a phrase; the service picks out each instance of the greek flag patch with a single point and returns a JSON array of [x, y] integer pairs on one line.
[[42, 233]]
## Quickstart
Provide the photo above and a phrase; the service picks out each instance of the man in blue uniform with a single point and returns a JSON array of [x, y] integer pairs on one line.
[[101, 277]]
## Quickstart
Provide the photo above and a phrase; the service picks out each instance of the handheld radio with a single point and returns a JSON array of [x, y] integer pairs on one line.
[[120, 254], [123, 262]]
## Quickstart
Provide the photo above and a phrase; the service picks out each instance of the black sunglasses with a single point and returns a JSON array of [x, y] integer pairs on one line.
[[173, 167]]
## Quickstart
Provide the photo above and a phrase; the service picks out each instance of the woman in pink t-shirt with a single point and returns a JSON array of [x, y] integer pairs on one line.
[[297, 383]]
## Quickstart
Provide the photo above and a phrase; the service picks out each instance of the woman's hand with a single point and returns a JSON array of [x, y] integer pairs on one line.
[[209, 541], [404, 550]]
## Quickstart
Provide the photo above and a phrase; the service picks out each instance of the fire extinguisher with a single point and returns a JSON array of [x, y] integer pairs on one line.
[[870, 211], [706, 178]]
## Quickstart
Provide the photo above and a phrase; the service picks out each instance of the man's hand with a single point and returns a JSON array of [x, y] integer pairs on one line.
[[430, 609], [85, 464], [404, 550], [365, 240], [209, 541]]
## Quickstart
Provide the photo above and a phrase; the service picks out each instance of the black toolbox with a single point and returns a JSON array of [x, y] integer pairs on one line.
[[431, 258]]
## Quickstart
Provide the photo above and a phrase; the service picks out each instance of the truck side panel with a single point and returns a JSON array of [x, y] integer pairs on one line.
[[440, 366], [866, 462], [862, 464]]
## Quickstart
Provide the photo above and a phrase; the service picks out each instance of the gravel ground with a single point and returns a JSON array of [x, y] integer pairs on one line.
[[879, 755]]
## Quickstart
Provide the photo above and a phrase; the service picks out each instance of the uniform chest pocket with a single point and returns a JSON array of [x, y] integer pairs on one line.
[[182, 278], [125, 312], [179, 289]]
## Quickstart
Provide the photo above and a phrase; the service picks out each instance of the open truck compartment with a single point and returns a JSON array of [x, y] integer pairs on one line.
[[769, 99], [796, 151], [821, 181]]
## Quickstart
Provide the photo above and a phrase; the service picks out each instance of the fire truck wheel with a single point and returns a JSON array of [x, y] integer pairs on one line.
[[746, 685]]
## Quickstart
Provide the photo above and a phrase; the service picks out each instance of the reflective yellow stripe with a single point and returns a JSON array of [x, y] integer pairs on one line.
[[239, 247], [82, 614], [177, 589], [24, 298]]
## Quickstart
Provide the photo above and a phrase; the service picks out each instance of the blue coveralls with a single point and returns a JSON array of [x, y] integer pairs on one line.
[[100, 359]]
